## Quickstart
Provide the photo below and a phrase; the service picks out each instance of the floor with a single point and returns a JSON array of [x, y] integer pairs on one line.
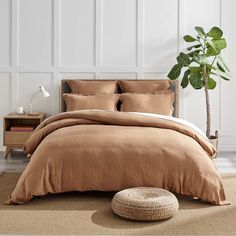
[[16, 162], [226, 162], [90, 213]]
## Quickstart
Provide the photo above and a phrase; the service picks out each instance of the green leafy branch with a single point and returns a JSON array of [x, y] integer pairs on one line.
[[202, 63], [206, 46]]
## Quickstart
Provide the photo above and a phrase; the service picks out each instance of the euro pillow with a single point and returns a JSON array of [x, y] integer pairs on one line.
[[93, 87], [149, 86], [101, 102], [159, 103]]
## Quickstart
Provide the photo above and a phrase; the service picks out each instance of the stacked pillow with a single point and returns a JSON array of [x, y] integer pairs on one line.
[[147, 96], [143, 86], [93, 87], [80, 102], [137, 96], [92, 95]]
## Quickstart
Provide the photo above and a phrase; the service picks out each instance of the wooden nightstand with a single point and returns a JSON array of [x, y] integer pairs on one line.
[[18, 128]]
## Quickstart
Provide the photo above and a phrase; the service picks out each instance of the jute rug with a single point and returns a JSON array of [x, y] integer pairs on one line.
[[90, 214]]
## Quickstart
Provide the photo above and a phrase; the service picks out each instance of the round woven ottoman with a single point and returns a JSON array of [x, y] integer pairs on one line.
[[145, 204]]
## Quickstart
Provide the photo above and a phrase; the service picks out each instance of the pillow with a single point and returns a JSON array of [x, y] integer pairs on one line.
[[160, 103], [149, 86], [80, 102], [93, 87]]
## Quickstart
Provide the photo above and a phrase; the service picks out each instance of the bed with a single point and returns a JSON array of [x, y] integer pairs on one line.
[[139, 141]]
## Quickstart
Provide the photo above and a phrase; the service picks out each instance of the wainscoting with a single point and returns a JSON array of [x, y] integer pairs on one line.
[[44, 41]]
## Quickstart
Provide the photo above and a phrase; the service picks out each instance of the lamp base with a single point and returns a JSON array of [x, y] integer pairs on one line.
[[33, 114]]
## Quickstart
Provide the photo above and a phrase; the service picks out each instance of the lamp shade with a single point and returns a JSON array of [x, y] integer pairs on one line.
[[44, 92], [41, 90]]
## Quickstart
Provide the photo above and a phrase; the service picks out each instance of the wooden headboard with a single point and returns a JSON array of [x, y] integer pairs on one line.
[[66, 89]]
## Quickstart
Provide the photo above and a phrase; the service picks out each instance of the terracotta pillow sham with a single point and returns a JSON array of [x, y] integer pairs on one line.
[[143, 86], [93, 87], [159, 103], [101, 102]]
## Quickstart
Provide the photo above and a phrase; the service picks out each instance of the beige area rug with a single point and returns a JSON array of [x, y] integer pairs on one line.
[[90, 214]]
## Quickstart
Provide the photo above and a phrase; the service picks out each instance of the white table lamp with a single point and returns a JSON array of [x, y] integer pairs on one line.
[[44, 93]]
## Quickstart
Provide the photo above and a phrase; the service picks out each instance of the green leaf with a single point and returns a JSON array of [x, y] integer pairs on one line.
[[200, 31], [194, 46], [225, 75], [219, 43], [211, 47], [212, 52], [211, 83], [189, 38], [222, 63], [193, 52], [175, 71], [185, 81], [196, 80], [221, 74], [200, 59], [183, 59], [220, 67], [195, 69], [209, 67], [215, 46], [215, 33]]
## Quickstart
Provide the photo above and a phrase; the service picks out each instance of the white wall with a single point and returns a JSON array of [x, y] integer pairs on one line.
[[44, 41]]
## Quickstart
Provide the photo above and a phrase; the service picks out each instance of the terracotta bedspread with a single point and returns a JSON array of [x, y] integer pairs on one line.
[[106, 151]]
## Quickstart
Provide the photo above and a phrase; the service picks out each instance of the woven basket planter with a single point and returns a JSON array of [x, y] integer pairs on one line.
[[145, 204]]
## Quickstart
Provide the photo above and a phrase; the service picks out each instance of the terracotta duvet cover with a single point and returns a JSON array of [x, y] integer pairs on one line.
[[109, 151]]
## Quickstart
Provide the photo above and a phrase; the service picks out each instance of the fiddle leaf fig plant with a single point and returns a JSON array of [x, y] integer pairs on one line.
[[202, 64]]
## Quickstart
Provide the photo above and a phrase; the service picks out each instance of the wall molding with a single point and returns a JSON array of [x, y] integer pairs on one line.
[[228, 140], [182, 30]]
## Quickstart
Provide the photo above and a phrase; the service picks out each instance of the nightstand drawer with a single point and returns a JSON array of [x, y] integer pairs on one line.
[[17, 128], [16, 138]]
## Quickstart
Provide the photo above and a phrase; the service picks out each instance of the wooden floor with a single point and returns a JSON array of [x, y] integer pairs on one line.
[[16, 162], [226, 162]]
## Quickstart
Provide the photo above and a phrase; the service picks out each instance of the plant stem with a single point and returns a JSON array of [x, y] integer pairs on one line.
[[205, 77], [213, 61]]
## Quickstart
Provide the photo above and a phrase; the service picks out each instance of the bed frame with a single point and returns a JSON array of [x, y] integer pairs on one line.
[[66, 89]]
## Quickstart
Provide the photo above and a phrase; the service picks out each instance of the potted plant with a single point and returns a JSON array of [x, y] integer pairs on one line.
[[201, 65]]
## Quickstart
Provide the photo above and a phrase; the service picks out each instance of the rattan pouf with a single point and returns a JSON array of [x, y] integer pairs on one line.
[[145, 204]]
